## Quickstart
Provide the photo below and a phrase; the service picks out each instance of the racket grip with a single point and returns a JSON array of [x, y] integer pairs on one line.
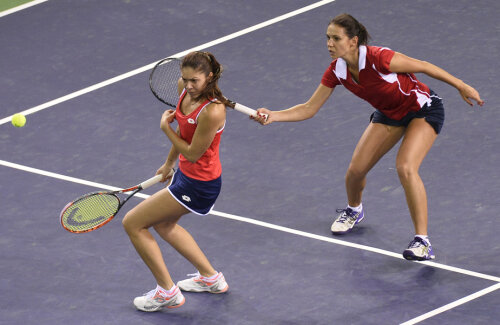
[[151, 181], [247, 110]]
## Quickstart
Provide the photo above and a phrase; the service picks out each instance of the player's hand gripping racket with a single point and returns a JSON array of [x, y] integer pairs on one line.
[[163, 83], [93, 210]]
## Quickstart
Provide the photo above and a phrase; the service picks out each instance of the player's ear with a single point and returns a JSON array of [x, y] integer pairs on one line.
[[210, 76], [355, 41]]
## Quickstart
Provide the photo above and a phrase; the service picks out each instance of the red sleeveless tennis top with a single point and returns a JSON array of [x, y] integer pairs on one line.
[[208, 167]]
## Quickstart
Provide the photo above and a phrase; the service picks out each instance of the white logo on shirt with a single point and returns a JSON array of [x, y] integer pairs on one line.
[[186, 198], [191, 121]]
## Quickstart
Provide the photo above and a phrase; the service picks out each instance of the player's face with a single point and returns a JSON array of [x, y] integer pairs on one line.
[[194, 81], [338, 43]]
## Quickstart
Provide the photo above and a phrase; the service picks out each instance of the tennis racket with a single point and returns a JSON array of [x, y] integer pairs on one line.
[[93, 210], [163, 83]]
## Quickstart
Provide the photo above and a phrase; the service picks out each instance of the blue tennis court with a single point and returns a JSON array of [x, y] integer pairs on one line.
[[79, 72]]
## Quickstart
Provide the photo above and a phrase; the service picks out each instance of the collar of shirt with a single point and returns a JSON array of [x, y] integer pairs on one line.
[[341, 65]]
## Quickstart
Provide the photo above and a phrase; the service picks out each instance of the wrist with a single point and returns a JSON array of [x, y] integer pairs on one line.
[[460, 85], [169, 163], [167, 129]]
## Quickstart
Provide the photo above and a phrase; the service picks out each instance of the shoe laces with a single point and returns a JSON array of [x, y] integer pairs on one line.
[[153, 293], [150, 294], [416, 242], [346, 213]]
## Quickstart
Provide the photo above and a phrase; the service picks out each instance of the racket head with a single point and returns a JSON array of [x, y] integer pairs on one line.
[[163, 80], [90, 212]]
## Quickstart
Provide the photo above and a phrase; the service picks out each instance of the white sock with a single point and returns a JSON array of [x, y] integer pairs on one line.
[[424, 238], [212, 277], [356, 209], [167, 292]]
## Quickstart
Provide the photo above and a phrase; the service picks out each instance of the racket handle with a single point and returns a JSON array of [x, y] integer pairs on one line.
[[247, 110], [151, 181]]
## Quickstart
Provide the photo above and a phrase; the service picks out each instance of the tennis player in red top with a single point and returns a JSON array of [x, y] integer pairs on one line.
[[404, 108], [201, 117]]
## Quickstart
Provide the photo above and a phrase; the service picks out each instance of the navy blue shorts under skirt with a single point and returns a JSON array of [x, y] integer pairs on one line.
[[196, 196], [433, 114]]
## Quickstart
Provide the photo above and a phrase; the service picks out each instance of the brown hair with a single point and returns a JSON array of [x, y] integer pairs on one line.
[[352, 28], [205, 62]]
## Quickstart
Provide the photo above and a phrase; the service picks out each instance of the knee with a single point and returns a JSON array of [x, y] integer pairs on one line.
[[354, 173], [129, 225], [406, 170], [126, 223]]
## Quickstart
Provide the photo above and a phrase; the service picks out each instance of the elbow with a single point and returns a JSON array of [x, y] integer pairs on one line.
[[310, 111], [310, 115], [192, 158]]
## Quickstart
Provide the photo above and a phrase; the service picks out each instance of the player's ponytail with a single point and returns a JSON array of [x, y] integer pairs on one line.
[[206, 62], [352, 28]]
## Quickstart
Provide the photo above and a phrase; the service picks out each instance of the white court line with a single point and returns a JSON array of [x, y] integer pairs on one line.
[[303, 234], [262, 224], [299, 233], [65, 178], [21, 7], [180, 54], [353, 245], [230, 216], [452, 305]]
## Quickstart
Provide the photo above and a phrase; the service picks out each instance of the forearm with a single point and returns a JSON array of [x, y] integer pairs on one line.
[[172, 157], [179, 146], [173, 154], [296, 113], [438, 73]]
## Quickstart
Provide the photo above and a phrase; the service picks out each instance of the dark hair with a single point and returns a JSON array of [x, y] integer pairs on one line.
[[352, 28], [205, 62]]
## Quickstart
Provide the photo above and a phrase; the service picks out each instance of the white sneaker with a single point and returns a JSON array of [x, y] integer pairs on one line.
[[199, 283], [346, 220], [156, 299], [419, 250]]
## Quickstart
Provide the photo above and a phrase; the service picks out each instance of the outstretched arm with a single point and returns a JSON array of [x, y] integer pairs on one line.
[[298, 112], [401, 63]]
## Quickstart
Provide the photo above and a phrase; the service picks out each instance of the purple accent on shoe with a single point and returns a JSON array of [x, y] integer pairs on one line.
[[410, 255], [346, 214]]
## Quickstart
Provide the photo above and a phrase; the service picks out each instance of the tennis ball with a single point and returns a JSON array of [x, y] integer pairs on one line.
[[18, 120]]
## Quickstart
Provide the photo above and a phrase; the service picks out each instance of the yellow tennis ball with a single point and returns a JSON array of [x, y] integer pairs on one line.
[[18, 120]]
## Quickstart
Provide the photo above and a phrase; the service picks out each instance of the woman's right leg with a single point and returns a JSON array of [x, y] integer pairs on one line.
[[375, 142], [160, 207]]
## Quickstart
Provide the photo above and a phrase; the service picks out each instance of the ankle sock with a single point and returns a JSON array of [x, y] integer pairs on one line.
[[165, 291], [212, 277], [424, 238], [356, 209]]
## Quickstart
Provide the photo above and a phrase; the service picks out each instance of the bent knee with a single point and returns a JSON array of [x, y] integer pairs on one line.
[[355, 172], [406, 170], [126, 223], [129, 223]]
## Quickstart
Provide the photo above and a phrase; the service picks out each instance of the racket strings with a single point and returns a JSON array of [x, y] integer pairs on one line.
[[163, 82], [90, 211]]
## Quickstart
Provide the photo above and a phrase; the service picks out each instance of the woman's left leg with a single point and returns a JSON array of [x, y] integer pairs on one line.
[[417, 141]]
